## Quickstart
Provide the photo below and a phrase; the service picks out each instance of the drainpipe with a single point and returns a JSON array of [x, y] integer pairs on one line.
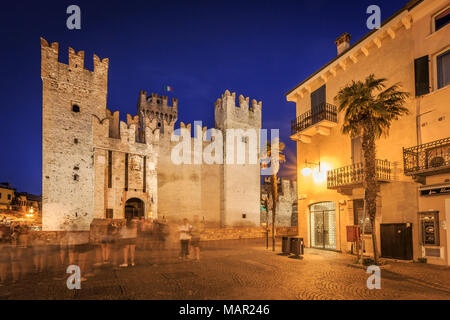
[[339, 225]]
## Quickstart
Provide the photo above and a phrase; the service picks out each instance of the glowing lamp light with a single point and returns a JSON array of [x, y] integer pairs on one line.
[[319, 176], [306, 171]]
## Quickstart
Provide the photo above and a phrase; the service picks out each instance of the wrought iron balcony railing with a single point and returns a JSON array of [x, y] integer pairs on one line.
[[354, 174], [324, 111], [428, 158]]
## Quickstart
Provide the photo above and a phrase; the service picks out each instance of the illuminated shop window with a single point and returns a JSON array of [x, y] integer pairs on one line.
[[429, 224]]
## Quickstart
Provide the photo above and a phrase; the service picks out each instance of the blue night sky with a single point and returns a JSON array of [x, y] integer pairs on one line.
[[261, 49]]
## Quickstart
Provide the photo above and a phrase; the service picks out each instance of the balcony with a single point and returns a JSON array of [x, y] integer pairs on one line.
[[427, 159], [352, 176], [318, 120]]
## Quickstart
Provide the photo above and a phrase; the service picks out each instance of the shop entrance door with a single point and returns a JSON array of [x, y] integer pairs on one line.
[[323, 226], [396, 241]]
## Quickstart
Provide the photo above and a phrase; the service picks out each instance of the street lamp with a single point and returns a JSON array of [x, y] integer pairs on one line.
[[306, 171]]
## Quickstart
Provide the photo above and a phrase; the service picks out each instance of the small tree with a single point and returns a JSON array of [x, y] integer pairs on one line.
[[274, 163], [369, 109]]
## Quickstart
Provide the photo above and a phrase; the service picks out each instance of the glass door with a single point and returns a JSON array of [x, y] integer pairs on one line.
[[323, 225]]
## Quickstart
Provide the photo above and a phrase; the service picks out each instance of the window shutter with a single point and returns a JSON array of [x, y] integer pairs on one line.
[[421, 75], [318, 97]]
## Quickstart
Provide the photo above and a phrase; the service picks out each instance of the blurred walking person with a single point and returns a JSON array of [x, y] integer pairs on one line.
[[107, 241], [196, 230], [4, 254], [39, 246], [78, 251], [15, 253], [147, 231], [63, 248], [185, 235], [62, 255], [25, 250], [128, 235]]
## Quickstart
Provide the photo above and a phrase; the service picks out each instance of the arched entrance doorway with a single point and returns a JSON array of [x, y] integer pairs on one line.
[[134, 208]]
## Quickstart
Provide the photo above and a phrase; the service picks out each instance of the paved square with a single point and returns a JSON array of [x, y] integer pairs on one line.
[[240, 269]]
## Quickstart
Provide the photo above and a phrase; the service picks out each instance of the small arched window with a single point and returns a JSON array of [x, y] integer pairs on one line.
[[76, 108]]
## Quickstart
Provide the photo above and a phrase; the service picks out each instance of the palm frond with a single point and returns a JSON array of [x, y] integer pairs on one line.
[[370, 103]]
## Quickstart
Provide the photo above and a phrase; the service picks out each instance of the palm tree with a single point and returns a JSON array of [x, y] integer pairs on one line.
[[274, 161], [370, 107]]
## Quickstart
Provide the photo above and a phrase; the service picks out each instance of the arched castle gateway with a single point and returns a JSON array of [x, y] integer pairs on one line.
[[96, 166]]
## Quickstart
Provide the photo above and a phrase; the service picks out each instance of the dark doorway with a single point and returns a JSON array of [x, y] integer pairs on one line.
[[134, 208], [396, 241]]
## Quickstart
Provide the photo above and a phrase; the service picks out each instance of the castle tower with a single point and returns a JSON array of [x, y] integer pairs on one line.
[[240, 125], [71, 95], [157, 107]]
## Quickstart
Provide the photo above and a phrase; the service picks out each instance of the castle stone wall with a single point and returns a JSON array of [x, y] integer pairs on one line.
[[93, 163]]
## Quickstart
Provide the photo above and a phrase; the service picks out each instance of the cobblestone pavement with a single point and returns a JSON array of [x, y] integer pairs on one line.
[[241, 269]]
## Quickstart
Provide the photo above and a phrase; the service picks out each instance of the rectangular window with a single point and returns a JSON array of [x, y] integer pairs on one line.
[[0, 195], [109, 169], [126, 171], [429, 224], [443, 69], [421, 76], [145, 175], [442, 19], [358, 215], [109, 213], [9, 197]]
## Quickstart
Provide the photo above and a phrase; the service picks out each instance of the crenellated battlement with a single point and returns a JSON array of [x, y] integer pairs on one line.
[[155, 100], [53, 69], [156, 107], [227, 112], [132, 131], [229, 99]]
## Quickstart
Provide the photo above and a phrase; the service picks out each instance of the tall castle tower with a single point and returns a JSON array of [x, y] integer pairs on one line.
[[157, 107], [240, 125], [71, 96]]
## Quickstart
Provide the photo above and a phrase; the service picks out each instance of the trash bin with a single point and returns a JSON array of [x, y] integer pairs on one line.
[[296, 247], [285, 245]]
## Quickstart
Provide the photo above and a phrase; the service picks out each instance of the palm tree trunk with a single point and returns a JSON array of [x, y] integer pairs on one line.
[[370, 182], [274, 207], [267, 224]]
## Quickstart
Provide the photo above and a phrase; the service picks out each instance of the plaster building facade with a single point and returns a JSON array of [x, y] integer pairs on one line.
[[6, 195], [96, 166], [413, 205]]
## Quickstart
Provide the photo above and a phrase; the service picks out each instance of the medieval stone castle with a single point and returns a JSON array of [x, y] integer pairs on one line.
[[96, 166]]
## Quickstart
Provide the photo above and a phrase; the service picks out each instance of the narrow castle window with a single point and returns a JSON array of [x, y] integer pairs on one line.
[[76, 108], [76, 168], [76, 177], [75, 141], [109, 169], [244, 216], [126, 171], [145, 175]]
